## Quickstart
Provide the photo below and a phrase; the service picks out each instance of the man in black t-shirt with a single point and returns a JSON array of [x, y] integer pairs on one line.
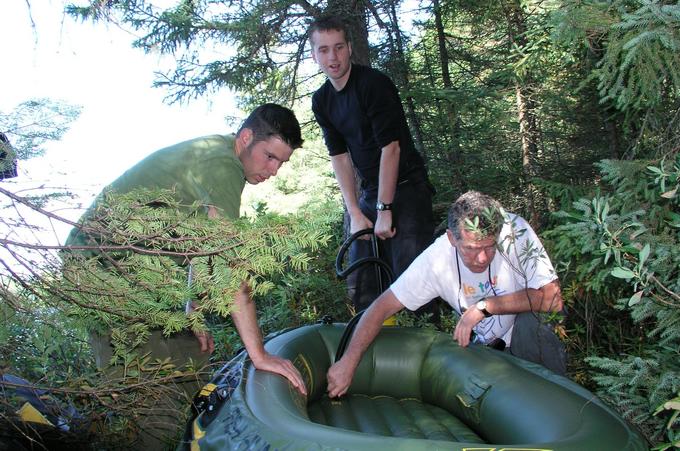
[[364, 126]]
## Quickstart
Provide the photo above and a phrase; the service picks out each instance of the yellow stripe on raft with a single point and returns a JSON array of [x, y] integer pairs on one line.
[[391, 321], [207, 389], [198, 434]]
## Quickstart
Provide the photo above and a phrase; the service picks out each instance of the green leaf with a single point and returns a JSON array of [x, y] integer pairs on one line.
[[635, 298], [631, 249], [644, 253], [674, 219], [622, 273], [617, 256]]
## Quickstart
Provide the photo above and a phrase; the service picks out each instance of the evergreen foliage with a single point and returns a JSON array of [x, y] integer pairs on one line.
[[134, 281], [642, 62], [260, 44], [625, 248], [35, 122], [137, 278], [632, 62]]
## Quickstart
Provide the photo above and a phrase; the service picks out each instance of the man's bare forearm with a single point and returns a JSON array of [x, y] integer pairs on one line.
[[245, 320], [369, 326], [545, 299], [389, 172], [344, 174]]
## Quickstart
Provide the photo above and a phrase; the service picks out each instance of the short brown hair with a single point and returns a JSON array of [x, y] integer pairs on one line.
[[328, 22], [271, 120]]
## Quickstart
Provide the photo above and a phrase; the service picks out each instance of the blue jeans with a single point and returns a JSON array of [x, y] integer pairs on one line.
[[413, 219]]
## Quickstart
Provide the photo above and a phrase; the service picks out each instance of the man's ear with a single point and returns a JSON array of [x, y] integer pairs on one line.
[[245, 137]]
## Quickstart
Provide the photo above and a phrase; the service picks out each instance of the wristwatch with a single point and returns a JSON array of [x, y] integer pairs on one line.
[[481, 306], [381, 206]]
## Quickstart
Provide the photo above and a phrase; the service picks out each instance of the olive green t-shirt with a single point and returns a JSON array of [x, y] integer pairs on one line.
[[204, 169]]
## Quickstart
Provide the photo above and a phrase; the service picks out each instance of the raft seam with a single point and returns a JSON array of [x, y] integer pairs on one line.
[[412, 417]]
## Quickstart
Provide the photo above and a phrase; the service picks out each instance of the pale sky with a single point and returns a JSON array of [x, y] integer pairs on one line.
[[123, 118], [94, 66]]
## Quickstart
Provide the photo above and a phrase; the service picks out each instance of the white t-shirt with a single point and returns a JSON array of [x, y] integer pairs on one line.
[[521, 262]]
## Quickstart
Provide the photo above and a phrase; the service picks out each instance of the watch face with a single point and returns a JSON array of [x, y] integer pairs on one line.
[[481, 306]]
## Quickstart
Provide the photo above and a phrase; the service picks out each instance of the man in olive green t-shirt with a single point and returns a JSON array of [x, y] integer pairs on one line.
[[204, 169], [213, 170]]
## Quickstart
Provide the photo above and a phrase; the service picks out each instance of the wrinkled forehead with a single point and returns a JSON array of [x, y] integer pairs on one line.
[[474, 239]]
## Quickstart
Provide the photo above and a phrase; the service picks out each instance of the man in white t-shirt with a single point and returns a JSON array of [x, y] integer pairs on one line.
[[492, 269]]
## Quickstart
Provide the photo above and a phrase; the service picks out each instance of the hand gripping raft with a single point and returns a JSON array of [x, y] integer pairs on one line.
[[415, 389]]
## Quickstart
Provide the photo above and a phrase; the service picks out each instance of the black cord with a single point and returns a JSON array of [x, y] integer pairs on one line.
[[343, 273]]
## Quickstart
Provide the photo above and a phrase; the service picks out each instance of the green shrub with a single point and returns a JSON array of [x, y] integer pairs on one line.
[[622, 280]]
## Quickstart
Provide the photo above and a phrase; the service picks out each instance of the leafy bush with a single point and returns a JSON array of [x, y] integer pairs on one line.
[[623, 249], [132, 279]]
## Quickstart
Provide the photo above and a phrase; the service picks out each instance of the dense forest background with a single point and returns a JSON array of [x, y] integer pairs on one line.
[[568, 112]]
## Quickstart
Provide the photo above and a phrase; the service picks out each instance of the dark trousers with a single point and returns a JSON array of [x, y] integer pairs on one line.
[[533, 339], [161, 419], [413, 219]]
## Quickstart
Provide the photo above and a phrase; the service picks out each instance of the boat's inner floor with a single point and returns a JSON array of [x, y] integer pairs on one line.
[[384, 415]]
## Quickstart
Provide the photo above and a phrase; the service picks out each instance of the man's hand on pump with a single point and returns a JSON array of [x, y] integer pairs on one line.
[[359, 221], [383, 226]]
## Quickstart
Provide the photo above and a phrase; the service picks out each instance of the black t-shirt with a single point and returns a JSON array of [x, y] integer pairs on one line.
[[363, 117]]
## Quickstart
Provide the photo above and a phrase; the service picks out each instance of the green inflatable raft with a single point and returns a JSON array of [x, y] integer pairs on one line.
[[414, 390]]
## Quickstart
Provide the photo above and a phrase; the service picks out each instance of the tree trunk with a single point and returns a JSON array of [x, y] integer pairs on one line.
[[614, 141], [454, 154], [355, 14], [405, 82], [529, 133], [526, 108]]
